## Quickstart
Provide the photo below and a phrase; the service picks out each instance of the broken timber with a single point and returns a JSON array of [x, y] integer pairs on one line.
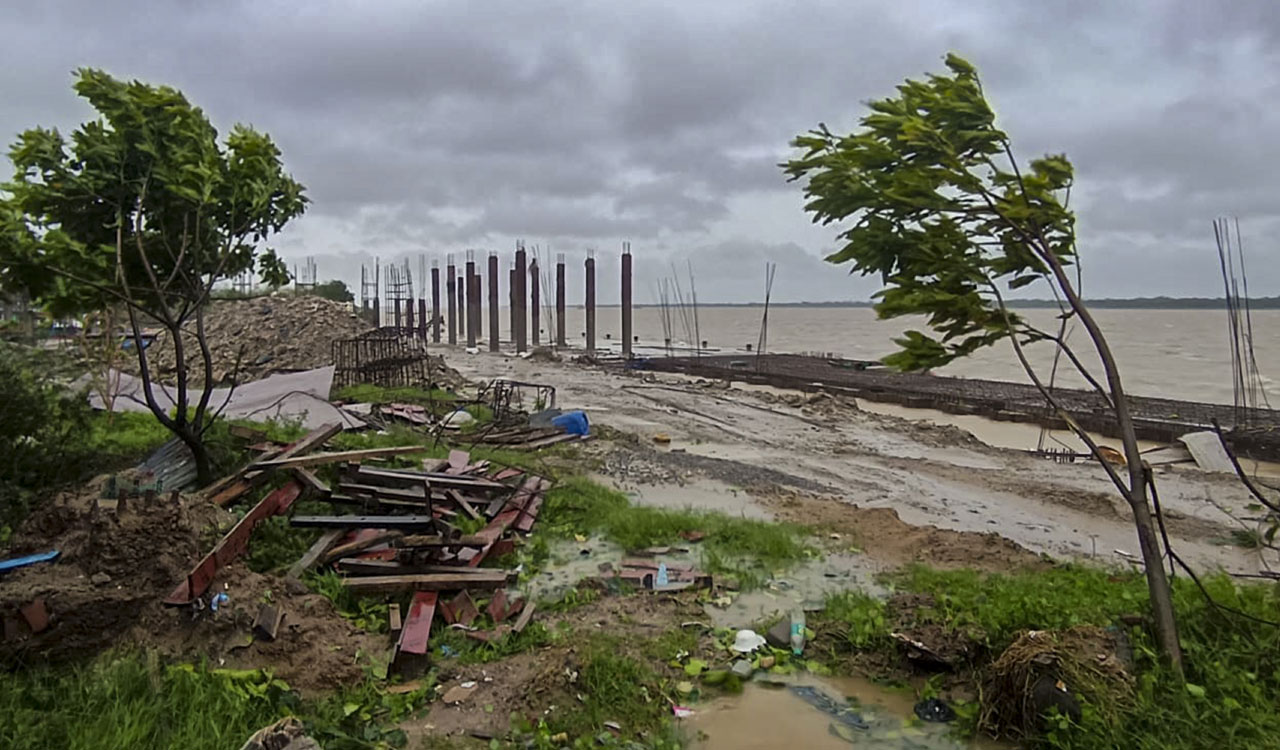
[[316, 459], [313, 555], [426, 582], [367, 522]]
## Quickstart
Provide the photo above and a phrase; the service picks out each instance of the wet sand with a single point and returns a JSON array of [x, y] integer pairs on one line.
[[929, 475]]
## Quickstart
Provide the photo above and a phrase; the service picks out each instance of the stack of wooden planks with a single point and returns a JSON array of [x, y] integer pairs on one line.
[[405, 535]]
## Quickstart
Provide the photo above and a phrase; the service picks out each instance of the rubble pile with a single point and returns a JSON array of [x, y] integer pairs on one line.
[[268, 334]]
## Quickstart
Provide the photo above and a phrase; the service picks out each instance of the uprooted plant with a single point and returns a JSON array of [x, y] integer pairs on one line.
[[945, 214], [144, 209]]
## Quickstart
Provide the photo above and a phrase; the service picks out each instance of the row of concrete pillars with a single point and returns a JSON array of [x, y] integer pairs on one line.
[[461, 320]]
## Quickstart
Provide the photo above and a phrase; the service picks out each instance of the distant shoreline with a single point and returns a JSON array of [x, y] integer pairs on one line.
[[1134, 303]]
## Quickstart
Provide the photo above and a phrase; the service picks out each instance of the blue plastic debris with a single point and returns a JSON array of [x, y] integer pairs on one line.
[[22, 562], [573, 422]]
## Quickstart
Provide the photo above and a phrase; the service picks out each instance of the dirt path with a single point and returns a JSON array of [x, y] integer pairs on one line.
[[757, 440]]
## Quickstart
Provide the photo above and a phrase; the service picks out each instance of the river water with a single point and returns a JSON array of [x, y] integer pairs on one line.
[[1181, 354]]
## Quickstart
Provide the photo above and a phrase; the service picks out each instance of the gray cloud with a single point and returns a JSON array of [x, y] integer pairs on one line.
[[433, 127]]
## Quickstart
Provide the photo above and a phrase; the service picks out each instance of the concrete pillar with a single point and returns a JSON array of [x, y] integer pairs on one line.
[[511, 301], [377, 313], [522, 296], [435, 304], [451, 285], [473, 304], [422, 318], [591, 305], [461, 283], [408, 314], [626, 301], [560, 301], [493, 302], [395, 308], [535, 315]]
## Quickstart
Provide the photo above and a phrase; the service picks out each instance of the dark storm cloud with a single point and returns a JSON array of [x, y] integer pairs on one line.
[[432, 127]]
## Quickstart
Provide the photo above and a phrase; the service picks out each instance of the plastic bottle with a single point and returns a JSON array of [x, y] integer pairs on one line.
[[797, 631]]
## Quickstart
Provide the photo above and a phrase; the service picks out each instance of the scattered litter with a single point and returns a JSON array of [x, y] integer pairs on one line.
[[747, 641], [935, 709], [825, 703], [20, 562], [680, 712], [662, 438]]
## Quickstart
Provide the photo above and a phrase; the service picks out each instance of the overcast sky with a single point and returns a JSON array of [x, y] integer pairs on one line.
[[439, 126]]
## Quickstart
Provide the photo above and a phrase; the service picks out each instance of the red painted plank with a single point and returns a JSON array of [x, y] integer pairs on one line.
[[233, 544], [417, 628]]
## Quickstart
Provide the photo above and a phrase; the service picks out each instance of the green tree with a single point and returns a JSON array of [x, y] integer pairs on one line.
[[334, 290], [940, 209], [143, 207]]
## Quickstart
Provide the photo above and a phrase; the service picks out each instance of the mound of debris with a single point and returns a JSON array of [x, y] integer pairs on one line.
[[116, 559], [266, 334], [1056, 669]]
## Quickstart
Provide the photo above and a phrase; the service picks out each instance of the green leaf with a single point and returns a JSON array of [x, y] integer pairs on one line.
[[1195, 690], [350, 708], [695, 667]]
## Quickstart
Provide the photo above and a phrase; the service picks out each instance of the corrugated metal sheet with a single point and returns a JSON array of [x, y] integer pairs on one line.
[[172, 466]]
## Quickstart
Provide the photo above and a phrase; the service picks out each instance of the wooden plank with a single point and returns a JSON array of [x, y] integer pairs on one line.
[[461, 609], [267, 624], [1208, 452], [437, 540], [312, 556], [311, 481], [316, 459], [393, 618], [459, 461], [524, 617], [305, 444], [360, 544], [416, 633], [393, 493], [232, 545], [357, 567], [462, 503], [426, 582], [368, 522], [435, 478]]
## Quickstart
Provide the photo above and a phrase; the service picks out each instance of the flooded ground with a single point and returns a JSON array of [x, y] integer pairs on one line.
[[770, 717]]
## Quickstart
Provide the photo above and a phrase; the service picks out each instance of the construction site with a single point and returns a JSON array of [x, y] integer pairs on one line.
[[417, 501]]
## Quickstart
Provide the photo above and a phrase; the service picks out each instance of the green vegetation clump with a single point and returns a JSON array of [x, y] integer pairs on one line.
[[1232, 662], [365, 393], [578, 505]]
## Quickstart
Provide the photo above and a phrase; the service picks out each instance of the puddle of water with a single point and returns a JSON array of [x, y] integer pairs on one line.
[[568, 564], [767, 718], [805, 586], [698, 494]]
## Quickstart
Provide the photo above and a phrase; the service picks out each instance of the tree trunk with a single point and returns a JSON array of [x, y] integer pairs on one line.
[[1152, 557], [199, 451]]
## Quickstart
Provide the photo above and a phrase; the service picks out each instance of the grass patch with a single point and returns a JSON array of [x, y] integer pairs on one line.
[[735, 545], [367, 613], [364, 393], [1232, 664], [132, 700]]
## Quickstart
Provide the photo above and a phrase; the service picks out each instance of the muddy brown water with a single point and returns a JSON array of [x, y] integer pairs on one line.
[[772, 717], [1181, 354]]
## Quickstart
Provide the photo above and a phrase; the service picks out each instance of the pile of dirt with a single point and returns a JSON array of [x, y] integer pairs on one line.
[[106, 590], [113, 570], [887, 537], [1048, 669], [265, 334]]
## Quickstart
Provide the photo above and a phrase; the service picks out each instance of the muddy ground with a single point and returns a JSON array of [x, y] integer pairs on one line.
[[735, 449]]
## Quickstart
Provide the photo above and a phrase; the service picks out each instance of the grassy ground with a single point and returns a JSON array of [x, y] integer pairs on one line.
[[1232, 664], [746, 548], [131, 700]]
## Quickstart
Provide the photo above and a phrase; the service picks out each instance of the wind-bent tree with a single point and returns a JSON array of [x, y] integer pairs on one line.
[[941, 210], [144, 209]]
